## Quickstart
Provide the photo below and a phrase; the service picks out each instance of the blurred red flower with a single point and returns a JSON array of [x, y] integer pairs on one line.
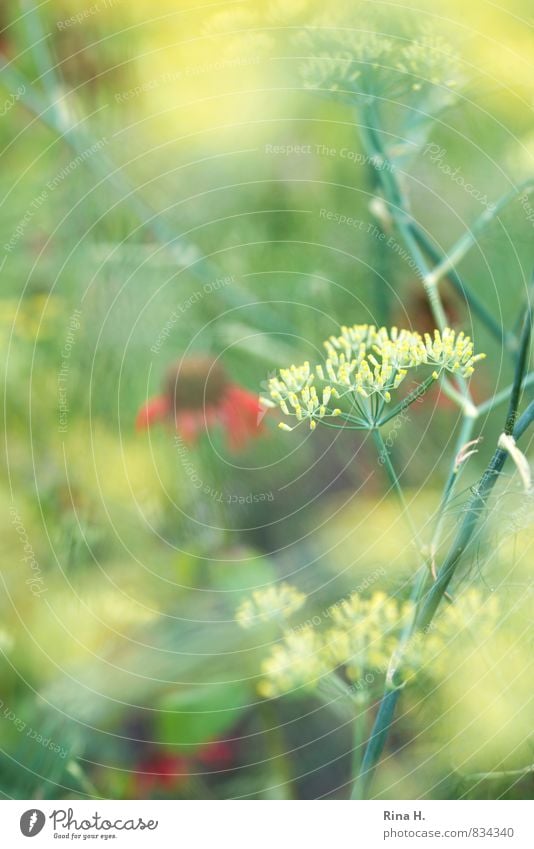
[[162, 772], [419, 315], [197, 395], [165, 772], [220, 754]]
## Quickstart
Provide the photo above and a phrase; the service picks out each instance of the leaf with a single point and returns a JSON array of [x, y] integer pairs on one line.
[[190, 719]]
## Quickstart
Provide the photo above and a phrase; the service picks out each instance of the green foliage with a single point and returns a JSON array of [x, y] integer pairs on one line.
[[187, 722]]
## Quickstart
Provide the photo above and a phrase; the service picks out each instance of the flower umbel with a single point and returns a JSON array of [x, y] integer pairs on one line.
[[273, 604], [452, 351], [299, 661], [363, 635], [473, 616], [365, 632]]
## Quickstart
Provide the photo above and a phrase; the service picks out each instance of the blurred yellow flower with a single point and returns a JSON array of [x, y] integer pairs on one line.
[[299, 661], [31, 318], [273, 604]]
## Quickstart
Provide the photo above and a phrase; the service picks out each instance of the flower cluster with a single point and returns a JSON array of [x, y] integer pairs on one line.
[[432, 59], [362, 638], [365, 59], [273, 604], [452, 352], [341, 57], [365, 632], [431, 652], [365, 362], [299, 661], [479, 613], [295, 395]]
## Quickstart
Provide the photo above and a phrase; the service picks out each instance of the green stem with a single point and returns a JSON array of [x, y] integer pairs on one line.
[[277, 753], [464, 436], [383, 455], [473, 301], [498, 776], [359, 735], [38, 40], [474, 510], [441, 262], [402, 217], [186, 254], [487, 482], [343, 427], [521, 367], [489, 405], [413, 396], [469, 238], [426, 611], [463, 401], [375, 744]]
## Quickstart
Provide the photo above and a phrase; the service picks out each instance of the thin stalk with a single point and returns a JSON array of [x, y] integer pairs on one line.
[[425, 272], [528, 300], [413, 396], [469, 238], [463, 401], [278, 750], [38, 40], [481, 493], [521, 367], [399, 210], [186, 254], [359, 734], [502, 396], [426, 610], [402, 217], [385, 715], [343, 427], [16, 82], [80, 140], [498, 776], [472, 300], [375, 744], [357, 419], [514, 394], [383, 453], [474, 510], [464, 436]]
